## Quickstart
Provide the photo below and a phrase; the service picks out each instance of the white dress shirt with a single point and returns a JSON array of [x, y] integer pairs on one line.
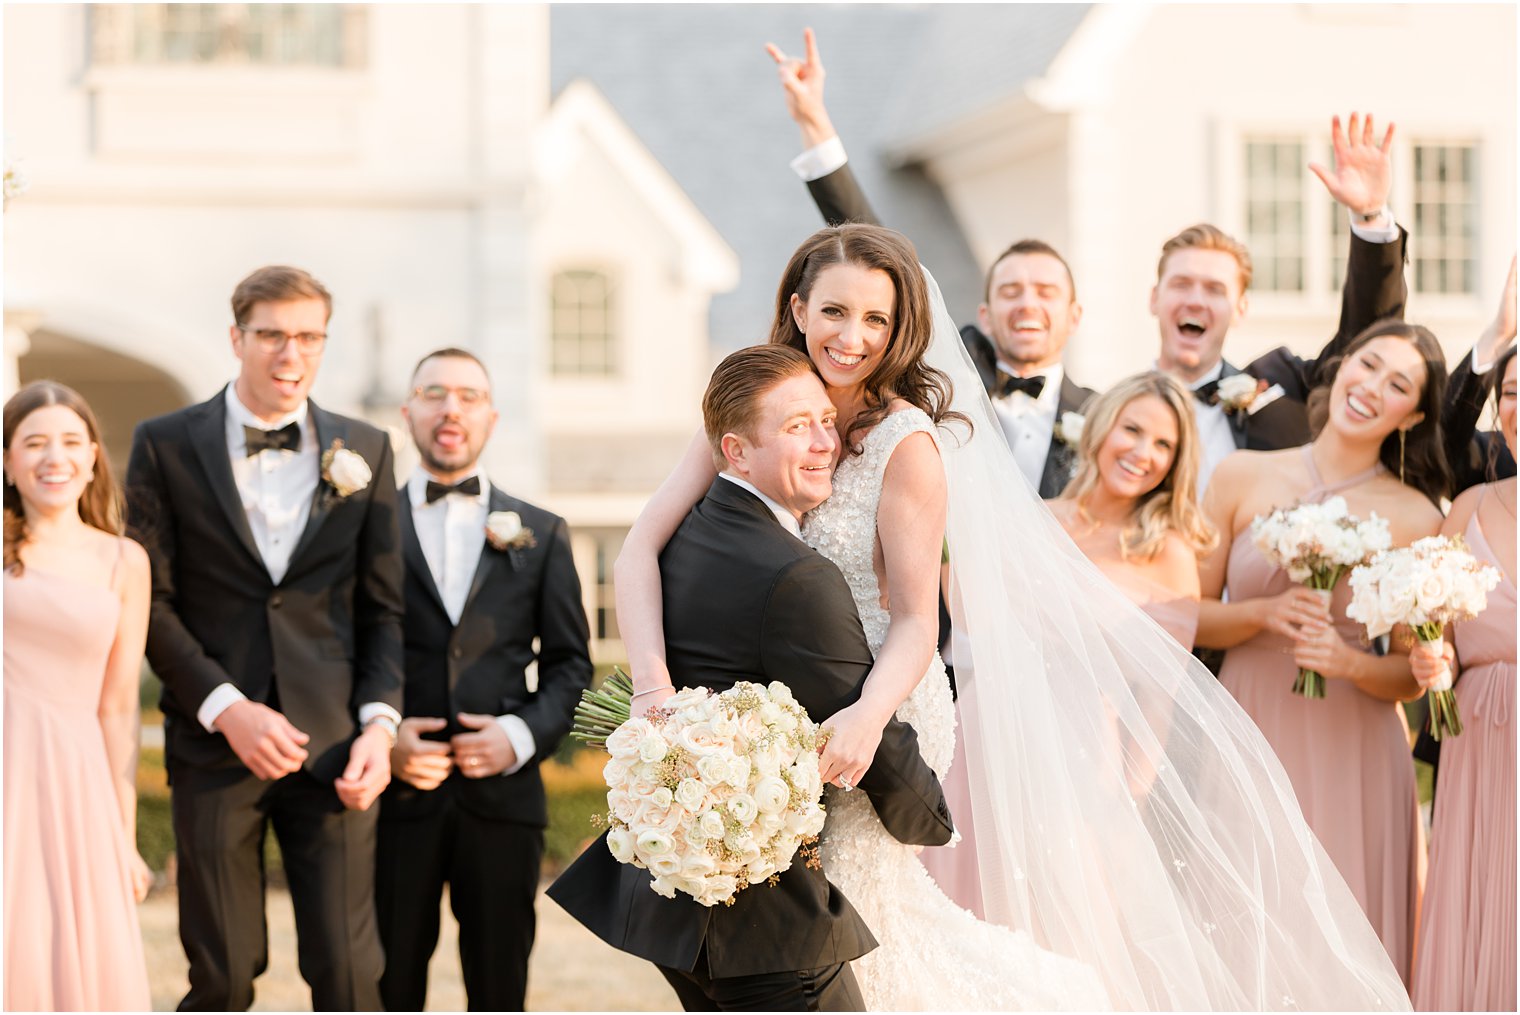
[[452, 532], [1029, 423], [786, 518], [276, 489], [1215, 438]]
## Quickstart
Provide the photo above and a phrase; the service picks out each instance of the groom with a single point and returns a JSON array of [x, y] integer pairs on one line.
[[276, 628], [746, 599]]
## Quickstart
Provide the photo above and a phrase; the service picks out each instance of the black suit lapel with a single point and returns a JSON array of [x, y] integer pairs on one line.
[[207, 425], [329, 427], [490, 559], [411, 549], [1060, 457]]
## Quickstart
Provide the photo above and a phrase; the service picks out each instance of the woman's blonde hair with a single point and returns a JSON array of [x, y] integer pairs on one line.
[[1172, 506]]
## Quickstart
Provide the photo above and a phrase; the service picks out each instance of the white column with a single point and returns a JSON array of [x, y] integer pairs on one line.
[[18, 342]]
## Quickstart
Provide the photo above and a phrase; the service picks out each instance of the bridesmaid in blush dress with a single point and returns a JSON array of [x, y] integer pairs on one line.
[[1132, 506], [1347, 755], [76, 618], [1466, 955]]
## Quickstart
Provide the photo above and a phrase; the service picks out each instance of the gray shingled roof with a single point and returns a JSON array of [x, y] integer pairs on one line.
[[694, 83]]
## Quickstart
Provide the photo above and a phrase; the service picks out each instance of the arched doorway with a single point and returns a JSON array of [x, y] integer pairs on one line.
[[123, 391]]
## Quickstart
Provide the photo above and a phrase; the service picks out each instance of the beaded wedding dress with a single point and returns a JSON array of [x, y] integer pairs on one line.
[[933, 954]]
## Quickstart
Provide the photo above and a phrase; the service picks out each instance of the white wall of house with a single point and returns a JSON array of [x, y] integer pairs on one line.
[[1155, 104]]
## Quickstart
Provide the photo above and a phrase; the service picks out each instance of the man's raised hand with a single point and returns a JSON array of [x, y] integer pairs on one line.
[[802, 83], [1363, 173]]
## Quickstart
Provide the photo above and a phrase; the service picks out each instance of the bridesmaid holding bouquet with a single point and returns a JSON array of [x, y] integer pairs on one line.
[[1347, 754]]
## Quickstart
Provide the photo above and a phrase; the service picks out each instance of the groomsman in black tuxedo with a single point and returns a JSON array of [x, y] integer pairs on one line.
[[1479, 457], [746, 599], [487, 576], [276, 628]]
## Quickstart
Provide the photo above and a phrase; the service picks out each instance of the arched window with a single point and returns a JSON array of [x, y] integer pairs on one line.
[[583, 339]]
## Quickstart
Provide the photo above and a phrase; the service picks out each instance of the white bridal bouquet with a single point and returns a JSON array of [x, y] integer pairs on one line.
[[1425, 586], [711, 793], [1317, 544]]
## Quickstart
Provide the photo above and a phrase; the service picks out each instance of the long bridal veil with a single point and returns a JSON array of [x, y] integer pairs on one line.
[[1128, 813]]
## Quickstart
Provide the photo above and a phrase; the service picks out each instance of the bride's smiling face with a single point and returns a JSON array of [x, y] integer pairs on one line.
[[848, 320]]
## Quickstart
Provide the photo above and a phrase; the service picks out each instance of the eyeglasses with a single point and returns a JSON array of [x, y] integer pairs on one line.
[[273, 339], [437, 394]]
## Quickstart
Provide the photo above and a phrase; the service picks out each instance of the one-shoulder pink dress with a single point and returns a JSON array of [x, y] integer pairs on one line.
[[1346, 754], [71, 935], [1466, 957]]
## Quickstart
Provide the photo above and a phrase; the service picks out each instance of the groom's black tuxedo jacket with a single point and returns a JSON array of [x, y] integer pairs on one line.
[[1374, 289], [746, 600], [320, 643], [480, 665]]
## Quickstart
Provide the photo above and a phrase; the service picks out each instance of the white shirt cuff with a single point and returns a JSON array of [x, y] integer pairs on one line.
[[216, 703], [820, 160], [521, 739], [1481, 368], [370, 709], [1384, 230]]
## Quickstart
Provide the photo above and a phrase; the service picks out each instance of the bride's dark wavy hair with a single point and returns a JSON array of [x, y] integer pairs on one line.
[[901, 371], [1423, 463]]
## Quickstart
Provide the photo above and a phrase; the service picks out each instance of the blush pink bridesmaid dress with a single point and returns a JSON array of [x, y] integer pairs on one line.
[[71, 935]]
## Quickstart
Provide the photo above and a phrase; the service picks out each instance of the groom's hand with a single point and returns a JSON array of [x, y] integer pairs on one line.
[[418, 762], [262, 738], [368, 771], [484, 752]]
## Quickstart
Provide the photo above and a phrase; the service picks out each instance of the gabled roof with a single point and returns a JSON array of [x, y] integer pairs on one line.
[[581, 111]]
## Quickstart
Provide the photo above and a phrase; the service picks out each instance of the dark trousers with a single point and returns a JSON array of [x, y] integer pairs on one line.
[[491, 868], [831, 988], [220, 819]]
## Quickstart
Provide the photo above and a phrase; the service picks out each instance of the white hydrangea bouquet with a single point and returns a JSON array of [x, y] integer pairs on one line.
[[711, 793], [1425, 586], [1317, 544]]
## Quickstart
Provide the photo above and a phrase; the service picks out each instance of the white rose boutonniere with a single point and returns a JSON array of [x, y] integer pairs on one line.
[[344, 470], [1238, 391], [1069, 428], [505, 531]]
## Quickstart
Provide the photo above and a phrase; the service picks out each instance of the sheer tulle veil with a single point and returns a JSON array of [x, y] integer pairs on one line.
[[1128, 813]]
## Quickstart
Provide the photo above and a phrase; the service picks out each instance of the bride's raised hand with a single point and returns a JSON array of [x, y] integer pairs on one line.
[[802, 83], [855, 733]]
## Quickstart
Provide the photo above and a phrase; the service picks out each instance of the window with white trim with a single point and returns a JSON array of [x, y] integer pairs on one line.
[[1445, 233], [293, 35], [1274, 213], [583, 338]]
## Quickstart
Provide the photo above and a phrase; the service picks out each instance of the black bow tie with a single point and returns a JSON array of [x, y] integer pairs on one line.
[[1031, 386], [286, 438], [1208, 393], [469, 486]]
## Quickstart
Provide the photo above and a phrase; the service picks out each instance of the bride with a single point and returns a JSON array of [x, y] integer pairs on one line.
[[1203, 888]]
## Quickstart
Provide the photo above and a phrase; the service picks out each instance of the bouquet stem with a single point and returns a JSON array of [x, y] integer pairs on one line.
[[602, 711], [1444, 720], [1311, 683]]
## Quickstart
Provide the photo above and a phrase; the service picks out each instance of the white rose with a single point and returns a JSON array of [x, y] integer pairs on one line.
[[760, 870], [690, 793], [1070, 427], [780, 693], [697, 864], [653, 842], [1238, 390], [665, 865], [504, 526], [786, 722], [769, 712], [614, 772], [741, 841], [721, 886], [771, 795], [714, 769], [652, 748], [686, 698], [623, 742], [711, 824], [663, 886], [743, 807], [738, 772], [724, 725], [699, 739], [1432, 589], [348, 472], [770, 824], [620, 844], [662, 798]]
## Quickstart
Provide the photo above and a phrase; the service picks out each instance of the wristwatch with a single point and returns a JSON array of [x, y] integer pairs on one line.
[[386, 723]]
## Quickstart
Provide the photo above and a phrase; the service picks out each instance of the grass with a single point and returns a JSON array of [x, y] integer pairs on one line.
[[574, 786]]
